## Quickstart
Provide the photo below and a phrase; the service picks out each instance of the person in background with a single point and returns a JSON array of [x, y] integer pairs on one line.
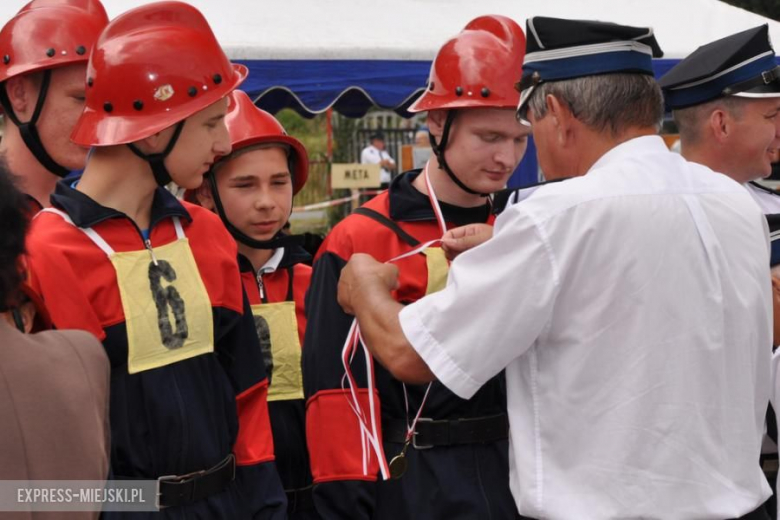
[[725, 99], [43, 63], [252, 190], [44, 49], [421, 138], [421, 151], [375, 153], [53, 385]]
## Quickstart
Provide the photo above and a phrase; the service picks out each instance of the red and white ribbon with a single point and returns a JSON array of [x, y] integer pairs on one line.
[[370, 423]]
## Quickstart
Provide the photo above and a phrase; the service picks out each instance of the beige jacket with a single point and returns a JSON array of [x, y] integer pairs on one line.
[[54, 389]]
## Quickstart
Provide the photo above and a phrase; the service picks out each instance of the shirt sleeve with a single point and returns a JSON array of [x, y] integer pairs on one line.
[[498, 295], [366, 157], [387, 156]]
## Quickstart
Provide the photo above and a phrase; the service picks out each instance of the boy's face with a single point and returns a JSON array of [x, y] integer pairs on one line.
[[256, 191], [485, 146], [203, 138]]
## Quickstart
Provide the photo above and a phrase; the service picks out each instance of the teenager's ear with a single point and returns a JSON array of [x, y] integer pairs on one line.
[[435, 121], [156, 143], [21, 94], [204, 196]]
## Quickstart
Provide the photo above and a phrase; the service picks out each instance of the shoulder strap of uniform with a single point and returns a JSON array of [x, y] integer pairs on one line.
[[395, 228]]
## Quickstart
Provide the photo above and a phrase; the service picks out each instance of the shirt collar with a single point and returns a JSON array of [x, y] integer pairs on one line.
[[272, 264], [632, 148], [85, 212], [407, 204], [292, 256]]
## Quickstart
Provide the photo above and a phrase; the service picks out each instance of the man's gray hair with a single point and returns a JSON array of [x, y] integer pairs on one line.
[[606, 103]]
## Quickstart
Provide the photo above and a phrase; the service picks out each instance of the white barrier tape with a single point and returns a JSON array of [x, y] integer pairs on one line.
[[334, 202], [325, 204]]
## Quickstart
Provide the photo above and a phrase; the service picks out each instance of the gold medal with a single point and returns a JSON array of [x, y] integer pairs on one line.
[[399, 464]]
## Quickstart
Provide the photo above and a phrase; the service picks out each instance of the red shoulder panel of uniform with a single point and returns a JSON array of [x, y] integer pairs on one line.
[[73, 277], [360, 234], [215, 252], [334, 437], [77, 282], [301, 281]]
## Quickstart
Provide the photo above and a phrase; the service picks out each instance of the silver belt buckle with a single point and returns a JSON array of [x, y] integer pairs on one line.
[[175, 478], [414, 436], [158, 494]]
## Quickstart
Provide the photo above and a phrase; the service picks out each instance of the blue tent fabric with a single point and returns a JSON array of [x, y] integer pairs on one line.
[[351, 87], [527, 172]]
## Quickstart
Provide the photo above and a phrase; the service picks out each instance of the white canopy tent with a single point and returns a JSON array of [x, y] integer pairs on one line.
[[311, 55], [350, 55], [415, 29]]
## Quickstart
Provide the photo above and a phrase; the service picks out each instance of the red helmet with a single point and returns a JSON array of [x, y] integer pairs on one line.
[[91, 6], [249, 125], [478, 68], [50, 33], [151, 68]]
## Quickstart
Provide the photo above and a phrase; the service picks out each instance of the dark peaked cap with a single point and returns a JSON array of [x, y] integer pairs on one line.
[[556, 33], [559, 49], [741, 65]]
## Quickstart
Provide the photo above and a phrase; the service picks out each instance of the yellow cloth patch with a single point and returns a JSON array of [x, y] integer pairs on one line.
[[167, 309], [438, 268], [277, 328]]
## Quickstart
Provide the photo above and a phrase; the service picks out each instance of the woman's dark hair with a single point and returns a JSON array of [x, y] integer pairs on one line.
[[14, 219]]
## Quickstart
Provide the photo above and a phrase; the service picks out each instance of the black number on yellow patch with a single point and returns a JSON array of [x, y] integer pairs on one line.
[[264, 334], [165, 297]]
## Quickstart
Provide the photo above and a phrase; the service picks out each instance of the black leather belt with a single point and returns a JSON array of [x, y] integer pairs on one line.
[[430, 433], [177, 490], [300, 500], [769, 463]]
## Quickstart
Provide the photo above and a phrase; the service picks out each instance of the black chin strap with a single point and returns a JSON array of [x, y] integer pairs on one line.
[[157, 160], [438, 150], [18, 320], [28, 130], [280, 240]]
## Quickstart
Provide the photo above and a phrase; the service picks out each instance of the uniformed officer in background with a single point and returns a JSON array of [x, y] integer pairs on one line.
[[725, 99]]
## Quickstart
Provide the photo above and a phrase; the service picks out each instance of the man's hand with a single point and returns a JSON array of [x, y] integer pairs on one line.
[[461, 239], [360, 277]]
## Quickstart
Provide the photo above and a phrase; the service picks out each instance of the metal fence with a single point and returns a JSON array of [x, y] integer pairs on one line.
[[350, 137]]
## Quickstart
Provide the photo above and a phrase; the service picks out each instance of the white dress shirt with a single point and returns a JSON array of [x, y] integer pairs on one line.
[[373, 155], [631, 309]]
